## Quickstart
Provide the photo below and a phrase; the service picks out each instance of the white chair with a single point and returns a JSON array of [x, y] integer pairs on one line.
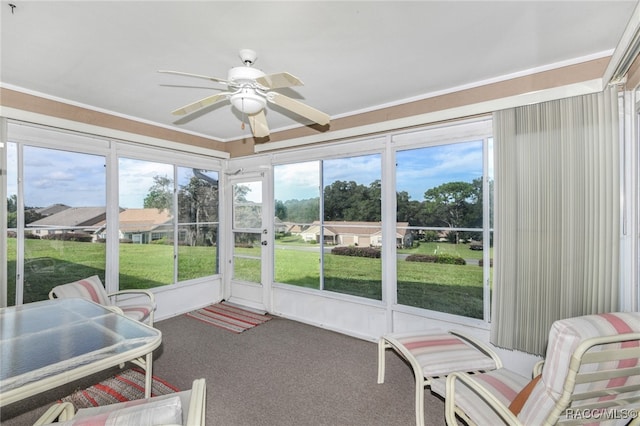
[[186, 408], [591, 374], [91, 288]]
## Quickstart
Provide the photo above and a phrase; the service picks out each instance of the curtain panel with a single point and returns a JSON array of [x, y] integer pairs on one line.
[[557, 207]]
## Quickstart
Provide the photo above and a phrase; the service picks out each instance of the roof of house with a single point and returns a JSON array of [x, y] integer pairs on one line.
[[143, 220], [354, 227], [52, 209], [72, 217]]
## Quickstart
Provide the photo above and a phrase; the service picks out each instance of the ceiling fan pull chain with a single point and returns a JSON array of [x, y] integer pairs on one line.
[[243, 115]]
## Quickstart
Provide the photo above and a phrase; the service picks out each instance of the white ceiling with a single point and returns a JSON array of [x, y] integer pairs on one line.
[[352, 56]]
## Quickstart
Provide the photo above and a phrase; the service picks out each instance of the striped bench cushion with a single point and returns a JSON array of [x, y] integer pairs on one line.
[[443, 353]]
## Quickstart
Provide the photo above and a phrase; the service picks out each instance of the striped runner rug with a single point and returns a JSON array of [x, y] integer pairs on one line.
[[229, 317], [125, 386]]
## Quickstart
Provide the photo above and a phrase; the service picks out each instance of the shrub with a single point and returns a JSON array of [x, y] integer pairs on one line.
[[481, 263], [244, 245], [421, 258], [430, 236], [356, 251], [450, 259], [162, 241], [69, 236], [437, 258]]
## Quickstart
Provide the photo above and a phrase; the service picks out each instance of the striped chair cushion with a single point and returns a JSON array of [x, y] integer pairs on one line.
[[567, 334], [504, 384], [443, 353], [141, 412], [137, 312], [89, 288], [564, 337]]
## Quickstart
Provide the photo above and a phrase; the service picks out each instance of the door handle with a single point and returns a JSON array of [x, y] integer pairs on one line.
[[264, 243]]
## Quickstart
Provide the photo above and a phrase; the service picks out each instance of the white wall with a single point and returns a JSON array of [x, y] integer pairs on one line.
[[178, 299], [369, 320]]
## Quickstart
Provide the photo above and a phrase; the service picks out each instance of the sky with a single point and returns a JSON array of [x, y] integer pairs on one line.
[[417, 171], [54, 176], [79, 180]]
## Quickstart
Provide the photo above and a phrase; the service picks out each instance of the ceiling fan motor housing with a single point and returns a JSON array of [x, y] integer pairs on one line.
[[247, 100]]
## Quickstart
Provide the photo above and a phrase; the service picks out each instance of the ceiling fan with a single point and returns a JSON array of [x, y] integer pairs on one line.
[[249, 90]]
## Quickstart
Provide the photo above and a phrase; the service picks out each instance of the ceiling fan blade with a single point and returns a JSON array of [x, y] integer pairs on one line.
[[259, 126], [278, 80], [299, 108], [204, 102], [187, 74]]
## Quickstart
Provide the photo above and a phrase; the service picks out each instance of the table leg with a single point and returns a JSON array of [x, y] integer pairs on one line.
[[148, 375]]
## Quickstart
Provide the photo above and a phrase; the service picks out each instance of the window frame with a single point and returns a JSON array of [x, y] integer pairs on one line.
[[111, 149], [387, 145]]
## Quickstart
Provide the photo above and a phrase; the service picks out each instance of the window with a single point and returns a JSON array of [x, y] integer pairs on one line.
[[63, 209], [441, 239], [330, 225], [150, 238], [297, 205], [338, 251], [247, 231], [12, 221], [167, 214], [351, 226], [198, 223], [146, 223]]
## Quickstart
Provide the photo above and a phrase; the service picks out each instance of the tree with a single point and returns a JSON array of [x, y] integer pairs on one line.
[[246, 213], [453, 204], [281, 210], [352, 202], [409, 210], [30, 213], [198, 204], [12, 211], [302, 211], [160, 194], [12, 203]]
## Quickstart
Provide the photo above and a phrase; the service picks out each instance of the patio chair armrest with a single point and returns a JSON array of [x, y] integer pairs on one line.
[[197, 403], [498, 407], [146, 293], [537, 368], [58, 412], [480, 346], [115, 309]]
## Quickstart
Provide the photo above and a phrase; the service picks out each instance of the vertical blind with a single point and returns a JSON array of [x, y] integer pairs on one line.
[[557, 205]]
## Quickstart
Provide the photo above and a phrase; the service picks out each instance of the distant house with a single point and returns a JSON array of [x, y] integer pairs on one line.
[[52, 209], [143, 226], [363, 234], [279, 226], [294, 228], [70, 220]]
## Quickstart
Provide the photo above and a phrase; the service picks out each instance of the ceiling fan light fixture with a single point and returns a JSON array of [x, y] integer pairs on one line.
[[248, 101]]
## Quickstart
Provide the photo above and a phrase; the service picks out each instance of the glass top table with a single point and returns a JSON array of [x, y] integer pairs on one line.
[[53, 342]]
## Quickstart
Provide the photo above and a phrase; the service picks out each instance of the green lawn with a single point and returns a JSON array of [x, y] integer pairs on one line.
[[448, 288], [49, 263], [461, 250]]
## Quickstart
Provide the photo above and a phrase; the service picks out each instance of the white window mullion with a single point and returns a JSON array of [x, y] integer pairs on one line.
[[112, 275]]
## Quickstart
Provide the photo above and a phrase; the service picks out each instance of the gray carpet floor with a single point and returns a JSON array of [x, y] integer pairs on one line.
[[280, 373]]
